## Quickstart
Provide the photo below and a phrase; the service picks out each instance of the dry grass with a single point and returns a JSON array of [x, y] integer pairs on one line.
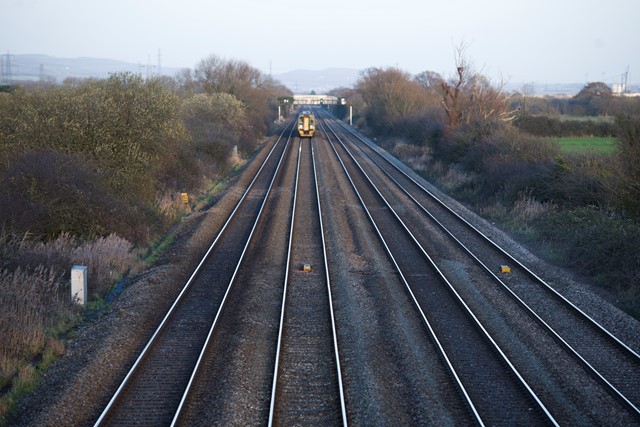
[[26, 299], [107, 258], [35, 301], [419, 163], [493, 209], [31, 302], [527, 208], [455, 178], [171, 206]]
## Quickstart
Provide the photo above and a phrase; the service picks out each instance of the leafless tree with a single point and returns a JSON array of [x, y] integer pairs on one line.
[[218, 75], [428, 79], [469, 95]]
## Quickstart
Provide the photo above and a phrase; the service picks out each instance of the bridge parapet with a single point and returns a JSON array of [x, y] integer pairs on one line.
[[318, 100]]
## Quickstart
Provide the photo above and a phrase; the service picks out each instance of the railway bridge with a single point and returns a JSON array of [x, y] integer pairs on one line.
[[312, 100], [326, 101]]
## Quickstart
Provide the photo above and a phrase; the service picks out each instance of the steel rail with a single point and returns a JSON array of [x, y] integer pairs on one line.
[[284, 291], [572, 351], [231, 282], [459, 299], [185, 288], [329, 293], [511, 258]]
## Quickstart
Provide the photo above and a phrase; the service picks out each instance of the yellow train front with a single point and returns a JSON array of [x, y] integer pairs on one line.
[[306, 124]]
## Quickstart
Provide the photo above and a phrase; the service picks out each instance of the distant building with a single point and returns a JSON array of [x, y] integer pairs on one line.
[[618, 88]]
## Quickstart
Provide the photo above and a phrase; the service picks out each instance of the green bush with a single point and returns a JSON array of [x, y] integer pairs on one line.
[[47, 193], [215, 123], [503, 159], [627, 185], [88, 158], [420, 127], [577, 180], [599, 244]]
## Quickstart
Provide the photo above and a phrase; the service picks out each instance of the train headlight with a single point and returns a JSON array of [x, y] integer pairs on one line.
[[311, 127], [299, 126]]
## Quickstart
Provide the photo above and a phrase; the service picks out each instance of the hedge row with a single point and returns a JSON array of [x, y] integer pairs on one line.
[[553, 127]]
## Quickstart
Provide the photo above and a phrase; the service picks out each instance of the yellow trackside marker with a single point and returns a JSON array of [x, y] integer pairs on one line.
[[506, 269], [185, 198]]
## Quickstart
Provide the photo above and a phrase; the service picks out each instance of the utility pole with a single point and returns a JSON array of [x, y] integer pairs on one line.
[[159, 62], [149, 67], [625, 89], [7, 74]]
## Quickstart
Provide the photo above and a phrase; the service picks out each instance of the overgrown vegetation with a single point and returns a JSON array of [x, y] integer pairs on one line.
[[580, 207], [91, 173]]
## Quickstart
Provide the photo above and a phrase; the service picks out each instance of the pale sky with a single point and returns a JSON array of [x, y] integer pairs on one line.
[[552, 41]]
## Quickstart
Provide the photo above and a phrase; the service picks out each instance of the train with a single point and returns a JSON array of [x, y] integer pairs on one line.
[[306, 124]]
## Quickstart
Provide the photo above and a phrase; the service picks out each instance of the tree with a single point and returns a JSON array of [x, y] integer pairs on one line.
[[428, 79], [470, 96], [594, 99], [247, 84], [217, 75], [215, 123], [127, 127], [390, 95]]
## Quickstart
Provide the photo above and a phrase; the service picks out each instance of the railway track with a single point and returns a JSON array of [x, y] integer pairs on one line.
[[307, 386], [231, 383], [609, 361], [152, 392]]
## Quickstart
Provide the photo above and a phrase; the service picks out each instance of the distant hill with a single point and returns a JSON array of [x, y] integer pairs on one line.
[[37, 67], [33, 67], [319, 81], [322, 81]]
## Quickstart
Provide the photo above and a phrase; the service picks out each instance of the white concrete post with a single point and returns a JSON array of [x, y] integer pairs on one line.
[[79, 284], [350, 115]]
